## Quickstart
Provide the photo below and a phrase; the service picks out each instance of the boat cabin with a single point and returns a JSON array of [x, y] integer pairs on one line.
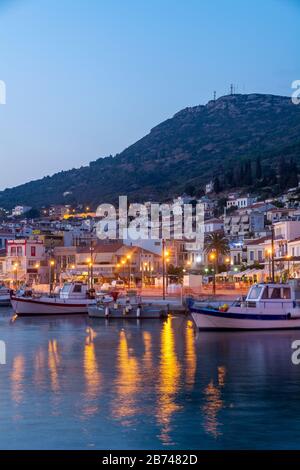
[[74, 290], [275, 292]]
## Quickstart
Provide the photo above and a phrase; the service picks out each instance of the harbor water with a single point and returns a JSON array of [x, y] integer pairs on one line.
[[79, 383]]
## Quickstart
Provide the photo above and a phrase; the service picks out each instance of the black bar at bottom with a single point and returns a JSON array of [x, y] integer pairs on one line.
[[136, 458]]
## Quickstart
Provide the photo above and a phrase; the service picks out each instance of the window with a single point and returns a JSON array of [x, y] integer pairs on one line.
[[286, 293], [251, 255], [19, 251], [13, 251], [255, 292], [32, 250], [260, 255], [265, 294], [77, 288], [275, 293]]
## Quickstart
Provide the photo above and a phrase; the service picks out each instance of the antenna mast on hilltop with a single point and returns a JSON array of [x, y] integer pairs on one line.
[[215, 95], [233, 89]]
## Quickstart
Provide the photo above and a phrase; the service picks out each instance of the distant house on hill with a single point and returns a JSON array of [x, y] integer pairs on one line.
[[20, 210], [241, 201], [209, 187]]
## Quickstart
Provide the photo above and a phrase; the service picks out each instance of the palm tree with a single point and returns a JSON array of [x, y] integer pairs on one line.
[[216, 245]]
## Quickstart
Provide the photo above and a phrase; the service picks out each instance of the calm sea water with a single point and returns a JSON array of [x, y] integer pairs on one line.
[[77, 383]]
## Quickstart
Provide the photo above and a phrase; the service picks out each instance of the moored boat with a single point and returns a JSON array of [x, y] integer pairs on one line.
[[4, 296], [266, 307], [128, 308], [74, 297]]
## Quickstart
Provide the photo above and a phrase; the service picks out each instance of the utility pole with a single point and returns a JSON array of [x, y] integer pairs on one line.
[[91, 265], [272, 254], [163, 268]]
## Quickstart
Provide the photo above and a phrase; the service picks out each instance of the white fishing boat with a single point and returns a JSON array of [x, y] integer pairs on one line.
[[4, 296], [73, 297], [129, 307], [266, 307]]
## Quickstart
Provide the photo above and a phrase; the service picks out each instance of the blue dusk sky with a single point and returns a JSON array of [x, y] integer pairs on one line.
[[87, 78]]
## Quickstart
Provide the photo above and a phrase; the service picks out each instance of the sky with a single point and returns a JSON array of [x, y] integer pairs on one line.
[[87, 78]]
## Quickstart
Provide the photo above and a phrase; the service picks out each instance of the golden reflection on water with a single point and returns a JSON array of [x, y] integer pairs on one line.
[[92, 375], [17, 378], [147, 359], [190, 354], [169, 381], [127, 382], [53, 363], [39, 367], [214, 404]]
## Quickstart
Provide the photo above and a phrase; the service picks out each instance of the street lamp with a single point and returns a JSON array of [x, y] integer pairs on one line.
[[213, 258], [37, 265], [269, 258], [128, 257], [288, 257], [165, 254], [15, 269], [51, 276]]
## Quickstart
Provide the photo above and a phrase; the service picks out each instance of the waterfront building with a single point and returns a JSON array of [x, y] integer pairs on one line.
[[258, 250], [26, 261]]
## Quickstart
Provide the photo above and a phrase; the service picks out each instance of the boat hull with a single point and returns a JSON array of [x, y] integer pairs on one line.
[[5, 300], [211, 319], [146, 312], [23, 306]]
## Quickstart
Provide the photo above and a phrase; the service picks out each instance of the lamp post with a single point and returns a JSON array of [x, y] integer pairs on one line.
[[37, 265], [51, 276], [91, 265], [213, 257], [128, 257], [269, 259], [273, 253], [15, 269], [167, 274], [91, 276], [164, 268], [123, 264], [288, 257]]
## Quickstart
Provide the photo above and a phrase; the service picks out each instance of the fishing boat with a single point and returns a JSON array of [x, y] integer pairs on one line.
[[130, 307], [4, 296], [266, 307], [73, 297]]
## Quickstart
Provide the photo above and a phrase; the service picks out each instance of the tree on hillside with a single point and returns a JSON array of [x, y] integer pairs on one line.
[[190, 190], [287, 173], [217, 185], [258, 169]]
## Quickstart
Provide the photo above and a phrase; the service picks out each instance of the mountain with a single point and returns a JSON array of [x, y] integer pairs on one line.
[[195, 145]]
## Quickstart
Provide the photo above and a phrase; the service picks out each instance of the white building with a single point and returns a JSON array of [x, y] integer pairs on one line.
[[209, 187], [26, 260], [240, 226], [287, 230], [20, 210], [240, 202], [211, 225]]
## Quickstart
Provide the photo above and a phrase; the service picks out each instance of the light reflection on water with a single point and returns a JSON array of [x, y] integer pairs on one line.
[[81, 383]]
